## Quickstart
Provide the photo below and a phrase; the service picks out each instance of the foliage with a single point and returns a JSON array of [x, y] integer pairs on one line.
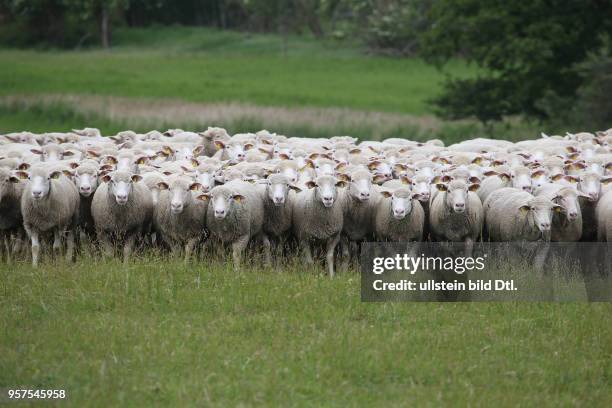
[[528, 49]]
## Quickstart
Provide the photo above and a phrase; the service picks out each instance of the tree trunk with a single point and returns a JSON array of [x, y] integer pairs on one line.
[[104, 29]]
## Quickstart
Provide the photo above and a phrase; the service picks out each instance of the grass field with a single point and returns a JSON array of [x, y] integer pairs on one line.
[[233, 75], [162, 333]]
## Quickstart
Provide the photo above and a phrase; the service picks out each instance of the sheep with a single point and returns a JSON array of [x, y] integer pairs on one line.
[[86, 178], [278, 206], [52, 152], [178, 216], [49, 203], [233, 150], [317, 216], [10, 209], [567, 223], [515, 215], [122, 209], [359, 202], [399, 216], [604, 218], [456, 214], [495, 179], [235, 215]]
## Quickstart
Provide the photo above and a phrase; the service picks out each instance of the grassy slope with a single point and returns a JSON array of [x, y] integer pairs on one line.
[[164, 333], [212, 66]]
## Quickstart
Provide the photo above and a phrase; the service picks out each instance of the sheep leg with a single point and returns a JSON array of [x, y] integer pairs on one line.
[[6, 247], [70, 246], [469, 247], [237, 249], [307, 252], [267, 250], [329, 256], [35, 247], [346, 253], [57, 242], [128, 247], [189, 247]]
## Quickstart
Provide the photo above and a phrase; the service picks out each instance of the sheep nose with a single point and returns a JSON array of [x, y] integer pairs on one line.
[[36, 193], [240, 156], [364, 195], [573, 215], [460, 205], [122, 197], [85, 189], [219, 213], [527, 188], [279, 200], [545, 226]]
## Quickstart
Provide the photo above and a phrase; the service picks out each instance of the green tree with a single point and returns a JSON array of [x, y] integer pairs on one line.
[[527, 49]]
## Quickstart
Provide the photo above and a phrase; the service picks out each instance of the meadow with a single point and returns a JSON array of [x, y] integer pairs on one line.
[[230, 79], [159, 332]]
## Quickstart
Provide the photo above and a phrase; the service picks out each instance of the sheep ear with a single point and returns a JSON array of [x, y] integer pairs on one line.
[[340, 183], [167, 150], [203, 197], [136, 178], [524, 209], [73, 165], [112, 159], [198, 150], [571, 179], [310, 163], [311, 184], [441, 187], [399, 166], [537, 173], [557, 177], [219, 144], [55, 175], [504, 176], [167, 173], [355, 151], [195, 163], [162, 185], [295, 188], [581, 194], [23, 166], [386, 193], [606, 181], [36, 151], [238, 198], [195, 186], [68, 173], [477, 160], [341, 166], [68, 153], [373, 165], [248, 146], [343, 177], [22, 175], [93, 154], [141, 160], [490, 173], [474, 180], [474, 187], [557, 208], [378, 179], [284, 156], [405, 180], [13, 179]]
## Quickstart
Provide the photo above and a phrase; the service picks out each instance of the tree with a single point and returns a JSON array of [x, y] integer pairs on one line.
[[526, 49]]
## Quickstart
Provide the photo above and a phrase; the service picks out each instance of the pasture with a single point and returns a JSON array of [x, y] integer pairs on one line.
[[159, 332]]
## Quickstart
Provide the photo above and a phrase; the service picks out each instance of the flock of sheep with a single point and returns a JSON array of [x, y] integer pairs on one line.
[[184, 190]]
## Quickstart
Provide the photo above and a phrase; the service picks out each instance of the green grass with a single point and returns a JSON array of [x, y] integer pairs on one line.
[[161, 333], [203, 65]]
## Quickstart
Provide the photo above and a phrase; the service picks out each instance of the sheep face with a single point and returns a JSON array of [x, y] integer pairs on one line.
[[87, 183], [521, 179], [277, 188], [590, 185], [180, 190], [40, 182], [421, 187], [6, 181], [457, 194], [360, 186], [235, 150], [401, 202], [120, 185], [539, 178], [539, 213], [206, 179], [52, 153], [222, 202], [326, 189]]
